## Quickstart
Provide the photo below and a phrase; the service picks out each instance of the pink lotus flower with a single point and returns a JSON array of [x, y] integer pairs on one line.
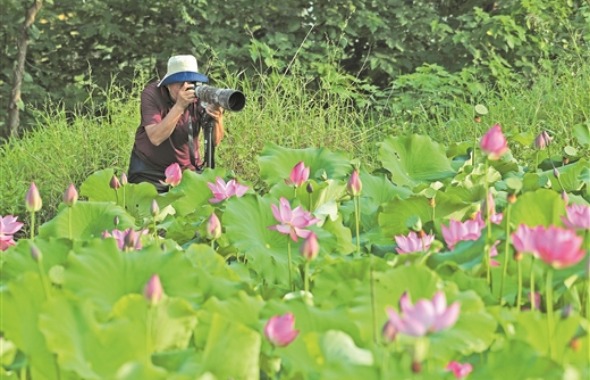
[[542, 140], [222, 190], [213, 227], [425, 316], [299, 174], [71, 195], [280, 330], [173, 174], [556, 246], [493, 143], [460, 370], [153, 290], [460, 231], [489, 208], [292, 221], [8, 227], [127, 239], [578, 217], [310, 248], [33, 201], [523, 239], [413, 243], [354, 185]]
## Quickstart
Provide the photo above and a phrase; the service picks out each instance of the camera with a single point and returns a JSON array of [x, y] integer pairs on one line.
[[227, 98]]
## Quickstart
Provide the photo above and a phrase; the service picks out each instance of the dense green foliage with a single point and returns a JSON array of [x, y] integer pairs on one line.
[[281, 111], [79, 46]]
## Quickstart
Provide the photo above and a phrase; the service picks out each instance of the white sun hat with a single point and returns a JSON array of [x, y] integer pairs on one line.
[[183, 68]]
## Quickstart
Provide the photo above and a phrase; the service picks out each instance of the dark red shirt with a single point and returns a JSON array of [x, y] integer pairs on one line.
[[155, 105]]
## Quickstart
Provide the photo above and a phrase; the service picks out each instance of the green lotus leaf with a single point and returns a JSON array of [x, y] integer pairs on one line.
[[135, 198], [102, 353], [414, 159], [101, 272], [229, 336], [277, 162], [23, 301], [515, 360], [86, 220], [526, 209], [569, 176], [18, 260]]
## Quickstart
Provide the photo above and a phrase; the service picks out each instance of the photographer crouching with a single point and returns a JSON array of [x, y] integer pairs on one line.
[[171, 117]]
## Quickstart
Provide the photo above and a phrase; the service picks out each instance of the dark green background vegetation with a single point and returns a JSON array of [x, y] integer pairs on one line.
[[77, 46]]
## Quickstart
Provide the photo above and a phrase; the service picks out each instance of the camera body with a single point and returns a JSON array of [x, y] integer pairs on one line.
[[227, 98]]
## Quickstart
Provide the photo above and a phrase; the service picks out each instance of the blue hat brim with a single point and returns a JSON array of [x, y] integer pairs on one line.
[[184, 76]]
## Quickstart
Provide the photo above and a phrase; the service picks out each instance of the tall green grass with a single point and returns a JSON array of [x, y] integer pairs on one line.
[[283, 110]]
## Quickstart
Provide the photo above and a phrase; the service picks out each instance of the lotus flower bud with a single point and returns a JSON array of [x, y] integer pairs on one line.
[[36, 253], [115, 184], [71, 195], [542, 140], [153, 290], [33, 200], [354, 185], [124, 180], [310, 247], [155, 209], [556, 172], [213, 227], [280, 331]]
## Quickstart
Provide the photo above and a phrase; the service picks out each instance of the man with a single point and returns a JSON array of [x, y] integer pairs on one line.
[[169, 127]]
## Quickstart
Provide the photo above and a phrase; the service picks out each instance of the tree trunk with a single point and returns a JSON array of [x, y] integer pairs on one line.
[[19, 71]]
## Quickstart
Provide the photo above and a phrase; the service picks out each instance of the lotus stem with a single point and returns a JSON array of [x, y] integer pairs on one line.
[[532, 284], [506, 245], [550, 314], [357, 207], [290, 265]]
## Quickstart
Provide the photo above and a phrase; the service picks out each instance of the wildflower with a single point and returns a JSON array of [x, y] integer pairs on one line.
[[292, 221], [8, 227], [280, 331], [153, 290], [543, 140], [578, 216], [299, 174], [222, 190], [354, 185], [213, 227], [459, 231], [33, 200], [425, 316], [493, 143], [310, 248], [173, 175], [70, 195], [460, 370], [413, 243]]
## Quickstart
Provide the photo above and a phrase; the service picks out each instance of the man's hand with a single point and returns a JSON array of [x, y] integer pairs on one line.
[[186, 95]]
